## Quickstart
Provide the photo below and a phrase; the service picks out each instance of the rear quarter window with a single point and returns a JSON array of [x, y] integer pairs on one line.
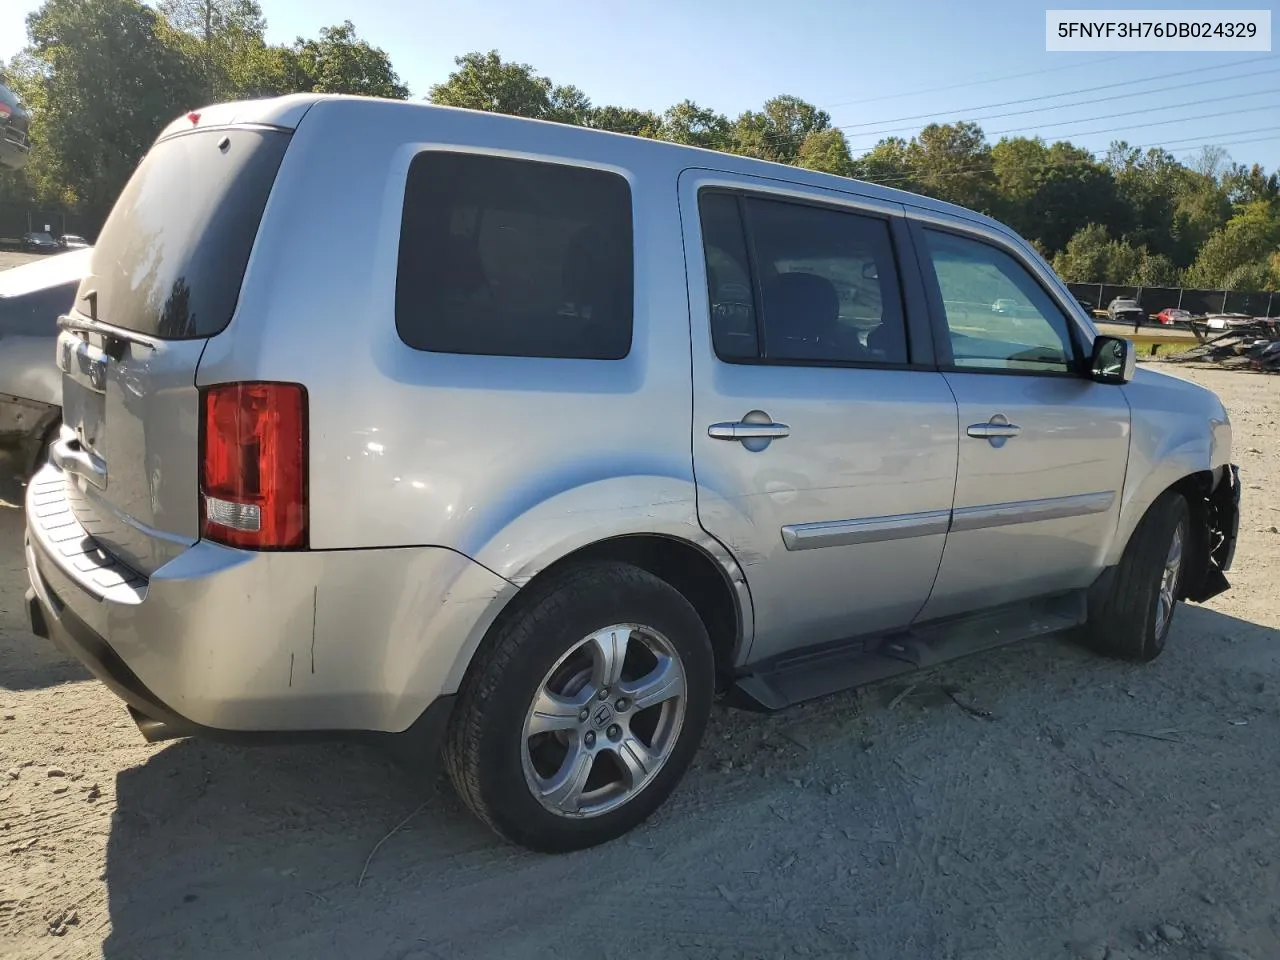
[[171, 258], [510, 257]]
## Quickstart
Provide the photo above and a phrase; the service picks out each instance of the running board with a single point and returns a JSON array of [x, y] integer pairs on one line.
[[804, 675]]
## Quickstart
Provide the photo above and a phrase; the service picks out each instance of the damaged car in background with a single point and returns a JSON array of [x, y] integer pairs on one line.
[[32, 297], [14, 121]]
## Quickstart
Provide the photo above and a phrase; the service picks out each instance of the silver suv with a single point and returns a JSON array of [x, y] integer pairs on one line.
[[431, 423]]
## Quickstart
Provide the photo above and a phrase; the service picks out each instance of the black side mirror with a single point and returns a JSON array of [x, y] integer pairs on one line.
[[1114, 360]]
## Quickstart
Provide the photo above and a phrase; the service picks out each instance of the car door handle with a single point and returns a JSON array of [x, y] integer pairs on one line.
[[747, 430], [987, 431], [997, 431]]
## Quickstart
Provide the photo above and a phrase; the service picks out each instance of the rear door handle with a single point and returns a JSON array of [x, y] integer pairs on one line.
[[996, 430], [747, 430], [988, 430]]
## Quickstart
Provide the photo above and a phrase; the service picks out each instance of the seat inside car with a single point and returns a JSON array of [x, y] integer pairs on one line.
[[810, 309]]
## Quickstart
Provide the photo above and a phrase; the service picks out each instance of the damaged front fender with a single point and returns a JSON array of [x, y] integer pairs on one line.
[[1222, 518]]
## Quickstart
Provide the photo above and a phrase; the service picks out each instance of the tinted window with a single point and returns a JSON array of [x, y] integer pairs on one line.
[[998, 316], [515, 258], [825, 284], [733, 312], [171, 257], [35, 314]]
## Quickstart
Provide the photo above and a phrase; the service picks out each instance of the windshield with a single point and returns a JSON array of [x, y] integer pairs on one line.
[[172, 255]]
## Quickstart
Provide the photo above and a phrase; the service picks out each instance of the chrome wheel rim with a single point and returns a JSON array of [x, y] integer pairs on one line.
[[603, 721], [1167, 596]]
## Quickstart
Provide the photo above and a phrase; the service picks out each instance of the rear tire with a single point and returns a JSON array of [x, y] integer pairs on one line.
[[584, 708], [1133, 620]]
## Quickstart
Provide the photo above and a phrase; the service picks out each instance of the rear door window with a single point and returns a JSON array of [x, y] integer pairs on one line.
[[818, 286], [515, 258], [170, 259]]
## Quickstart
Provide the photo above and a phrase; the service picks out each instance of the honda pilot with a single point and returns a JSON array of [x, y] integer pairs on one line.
[[527, 441]]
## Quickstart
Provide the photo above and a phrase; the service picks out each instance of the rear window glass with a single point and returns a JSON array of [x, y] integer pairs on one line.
[[170, 259], [515, 258], [35, 314]]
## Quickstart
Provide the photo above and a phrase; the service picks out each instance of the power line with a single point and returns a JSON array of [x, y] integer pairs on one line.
[[1138, 126], [781, 138], [971, 83], [1069, 93], [1129, 113], [1080, 103]]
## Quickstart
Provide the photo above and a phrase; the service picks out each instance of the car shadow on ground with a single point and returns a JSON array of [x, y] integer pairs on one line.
[[230, 851]]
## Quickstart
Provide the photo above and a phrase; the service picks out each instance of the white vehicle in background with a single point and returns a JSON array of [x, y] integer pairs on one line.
[[32, 297], [1226, 321]]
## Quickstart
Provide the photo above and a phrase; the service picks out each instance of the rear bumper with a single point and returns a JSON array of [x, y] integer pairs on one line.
[[233, 644], [13, 154]]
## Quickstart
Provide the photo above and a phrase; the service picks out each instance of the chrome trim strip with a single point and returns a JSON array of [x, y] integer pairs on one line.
[[839, 533], [1030, 511]]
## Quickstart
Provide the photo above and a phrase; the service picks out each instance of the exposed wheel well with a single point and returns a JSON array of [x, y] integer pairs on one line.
[[687, 568], [1196, 489]]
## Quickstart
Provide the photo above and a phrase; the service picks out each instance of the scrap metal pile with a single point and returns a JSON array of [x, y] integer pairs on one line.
[[1246, 343]]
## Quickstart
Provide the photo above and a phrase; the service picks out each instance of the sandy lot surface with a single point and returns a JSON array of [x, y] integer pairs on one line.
[[13, 259], [1099, 810]]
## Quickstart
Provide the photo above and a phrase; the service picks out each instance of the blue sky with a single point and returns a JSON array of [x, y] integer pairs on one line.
[[874, 66]]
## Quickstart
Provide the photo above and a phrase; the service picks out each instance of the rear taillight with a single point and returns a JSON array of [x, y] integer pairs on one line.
[[253, 471]]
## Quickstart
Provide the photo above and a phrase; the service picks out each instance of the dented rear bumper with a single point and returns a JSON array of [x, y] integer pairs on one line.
[[237, 642]]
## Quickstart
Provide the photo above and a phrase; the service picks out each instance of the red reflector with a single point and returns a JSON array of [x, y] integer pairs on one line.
[[253, 471], [194, 118]]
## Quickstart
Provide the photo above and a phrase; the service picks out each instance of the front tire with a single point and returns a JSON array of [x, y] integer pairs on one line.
[[1133, 620], [583, 709]]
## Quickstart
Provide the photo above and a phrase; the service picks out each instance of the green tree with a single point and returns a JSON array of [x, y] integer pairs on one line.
[[696, 126], [569, 105], [952, 161], [640, 123], [1050, 192], [1093, 256], [1246, 185], [338, 61], [484, 81], [1261, 275], [227, 38], [826, 151], [1155, 270], [1086, 258], [101, 82], [1248, 239], [779, 130], [887, 163]]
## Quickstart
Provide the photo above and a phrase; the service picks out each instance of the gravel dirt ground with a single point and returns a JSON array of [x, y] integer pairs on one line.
[[1031, 803], [12, 258]]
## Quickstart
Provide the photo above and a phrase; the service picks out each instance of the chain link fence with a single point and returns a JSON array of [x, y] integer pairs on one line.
[[1198, 302]]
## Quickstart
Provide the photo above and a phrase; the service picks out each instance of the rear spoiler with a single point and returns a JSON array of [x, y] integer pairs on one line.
[[282, 112]]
